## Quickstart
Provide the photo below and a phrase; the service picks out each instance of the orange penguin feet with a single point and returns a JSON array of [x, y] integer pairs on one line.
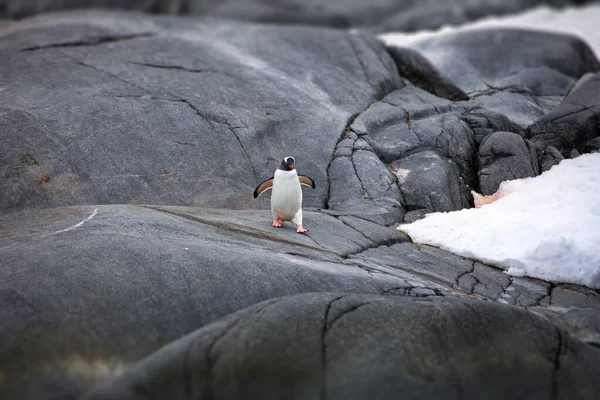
[[300, 229], [277, 223]]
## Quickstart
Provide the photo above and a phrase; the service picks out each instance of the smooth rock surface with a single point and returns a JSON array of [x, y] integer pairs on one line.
[[385, 15], [521, 74], [573, 123], [105, 285], [123, 108], [333, 348], [429, 181], [504, 156], [112, 108], [88, 290]]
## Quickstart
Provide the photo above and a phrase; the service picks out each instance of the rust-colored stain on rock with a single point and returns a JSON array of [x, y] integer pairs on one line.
[[43, 178]]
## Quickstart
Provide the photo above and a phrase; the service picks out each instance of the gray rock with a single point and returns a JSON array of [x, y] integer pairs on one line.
[[483, 65], [84, 293], [415, 215], [410, 120], [583, 323], [375, 233], [387, 15], [484, 122], [419, 70], [435, 264], [162, 110], [503, 156], [550, 158], [591, 146], [332, 347], [361, 185], [574, 122], [128, 108], [568, 295], [539, 62], [429, 181]]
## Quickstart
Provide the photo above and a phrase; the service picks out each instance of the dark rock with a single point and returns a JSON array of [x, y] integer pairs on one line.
[[484, 122], [410, 120], [415, 215], [93, 290], [591, 146], [86, 291], [527, 292], [140, 109], [419, 70], [375, 233], [583, 323], [483, 64], [573, 123], [350, 346], [485, 281], [574, 296], [550, 158], [129, 108], [361, 185], [429, 181], [503, 156], [435, 264], [388, 15], [539, 62]]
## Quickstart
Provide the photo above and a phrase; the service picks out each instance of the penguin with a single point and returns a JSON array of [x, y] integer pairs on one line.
[[286, 196]]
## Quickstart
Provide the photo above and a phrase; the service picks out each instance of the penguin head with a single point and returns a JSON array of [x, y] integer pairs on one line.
[[287, 164]]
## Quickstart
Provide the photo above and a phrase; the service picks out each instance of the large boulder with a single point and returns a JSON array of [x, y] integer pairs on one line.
[[128, 108], [429, 181], [355, 347], [413, 66], [123, 108], [504, 156], [387, 15], [574, 123], [88, 290], [521, 74], [105, 285]]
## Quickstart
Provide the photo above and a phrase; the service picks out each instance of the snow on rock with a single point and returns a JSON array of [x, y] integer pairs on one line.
[[579, 21], [546, 227]]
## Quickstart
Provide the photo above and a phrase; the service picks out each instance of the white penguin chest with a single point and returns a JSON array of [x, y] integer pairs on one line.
[[286, 195]]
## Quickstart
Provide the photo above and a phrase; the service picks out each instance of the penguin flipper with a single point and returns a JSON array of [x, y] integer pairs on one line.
[[306, 181], [264, 186]]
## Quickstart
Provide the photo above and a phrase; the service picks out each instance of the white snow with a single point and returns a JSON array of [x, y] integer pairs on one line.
[[580, 21], [546, 227]]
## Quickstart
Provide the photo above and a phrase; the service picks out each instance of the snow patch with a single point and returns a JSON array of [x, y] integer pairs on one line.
[[546, 227]]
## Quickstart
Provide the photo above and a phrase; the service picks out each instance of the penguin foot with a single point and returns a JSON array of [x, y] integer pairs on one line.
[[277, 223], [300, 229]]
